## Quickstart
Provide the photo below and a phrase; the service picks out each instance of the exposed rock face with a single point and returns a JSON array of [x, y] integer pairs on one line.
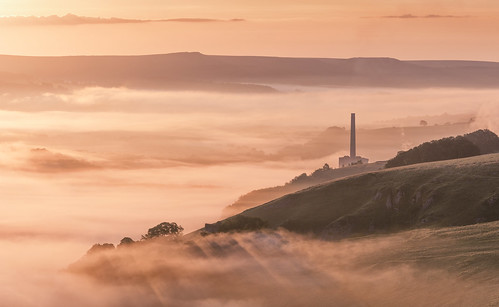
[[428, 202], [398, 197], [493, 200], [389, 204], [416, 198]]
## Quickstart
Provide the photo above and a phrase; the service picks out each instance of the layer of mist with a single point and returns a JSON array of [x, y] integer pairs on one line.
[[98, 164], [447, 267]]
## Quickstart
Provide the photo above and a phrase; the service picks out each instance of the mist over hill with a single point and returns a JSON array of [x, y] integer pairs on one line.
[[424, 267], [423, 234], [193, 70]]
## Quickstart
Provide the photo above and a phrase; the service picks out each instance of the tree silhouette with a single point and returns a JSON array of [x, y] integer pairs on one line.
[[163, 229], [100, 247], [126, 241], [443, 149]]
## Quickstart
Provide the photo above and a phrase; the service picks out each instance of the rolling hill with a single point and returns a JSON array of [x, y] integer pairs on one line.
[[447, 193], [376, 141], [260, 196]]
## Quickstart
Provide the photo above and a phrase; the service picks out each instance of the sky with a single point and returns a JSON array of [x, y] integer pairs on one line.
[[402, 29]]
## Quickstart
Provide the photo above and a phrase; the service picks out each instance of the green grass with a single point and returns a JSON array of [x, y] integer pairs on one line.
[[445, 193]]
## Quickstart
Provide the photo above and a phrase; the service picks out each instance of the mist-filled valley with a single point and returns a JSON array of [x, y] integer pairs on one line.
[[446, 267], [222, 153], [96, 164]]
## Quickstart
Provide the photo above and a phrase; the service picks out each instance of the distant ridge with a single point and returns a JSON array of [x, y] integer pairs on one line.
[[193, 70]]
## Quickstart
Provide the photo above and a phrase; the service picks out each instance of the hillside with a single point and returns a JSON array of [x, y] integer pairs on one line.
[[193, 70], [379, 143], [448, 193], [476, 143], [260, 196]]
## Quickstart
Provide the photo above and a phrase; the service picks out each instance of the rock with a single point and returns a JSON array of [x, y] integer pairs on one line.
[[398, 197], [389, 204], [428, 203]]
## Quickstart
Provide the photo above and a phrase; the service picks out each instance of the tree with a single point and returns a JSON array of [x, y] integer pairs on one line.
[[423, 123], [100, 247], [163, 229], [126, 241], [438, 150], [298, 179]]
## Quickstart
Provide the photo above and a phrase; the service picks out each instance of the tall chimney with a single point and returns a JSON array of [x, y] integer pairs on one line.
[[353, 154]]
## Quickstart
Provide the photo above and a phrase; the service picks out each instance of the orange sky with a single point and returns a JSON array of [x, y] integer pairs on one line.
[[457, 29]]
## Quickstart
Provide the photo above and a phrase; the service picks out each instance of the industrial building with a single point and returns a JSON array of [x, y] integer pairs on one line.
[[353, 159]]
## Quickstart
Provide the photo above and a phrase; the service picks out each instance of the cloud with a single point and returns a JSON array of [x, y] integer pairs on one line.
[[411, 16], [158, 156], [196, 20], [43, 160], [107, 129], [71, 19]]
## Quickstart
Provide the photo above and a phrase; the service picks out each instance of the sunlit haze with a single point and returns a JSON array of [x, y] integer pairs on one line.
[[117, 116], [400, 29]]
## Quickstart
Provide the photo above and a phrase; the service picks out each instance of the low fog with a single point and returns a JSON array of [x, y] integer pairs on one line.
[[282, 269], [98, 164]]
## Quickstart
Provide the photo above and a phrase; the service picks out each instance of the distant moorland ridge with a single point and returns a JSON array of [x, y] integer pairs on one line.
[[193, 70]]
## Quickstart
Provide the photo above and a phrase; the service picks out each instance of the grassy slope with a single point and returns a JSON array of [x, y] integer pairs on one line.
[[257, 197], [446, 193], [466, 250]]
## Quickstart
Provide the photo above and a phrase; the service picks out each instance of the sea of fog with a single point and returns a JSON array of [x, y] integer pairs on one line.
[[99, 164]]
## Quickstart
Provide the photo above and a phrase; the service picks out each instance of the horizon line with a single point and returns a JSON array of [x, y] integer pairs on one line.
[[242, 55]]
